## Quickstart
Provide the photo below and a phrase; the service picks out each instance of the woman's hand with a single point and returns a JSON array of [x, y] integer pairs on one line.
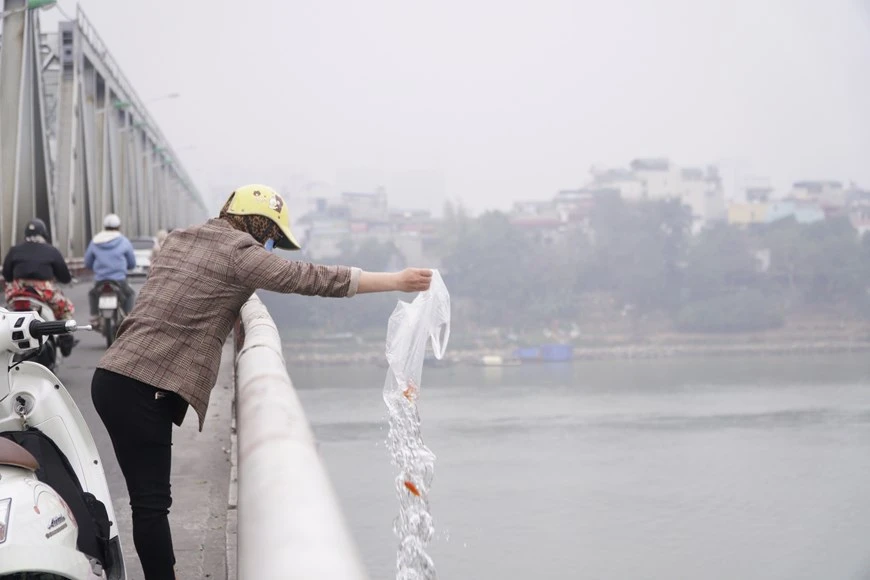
[[414, 280], [408, 280]]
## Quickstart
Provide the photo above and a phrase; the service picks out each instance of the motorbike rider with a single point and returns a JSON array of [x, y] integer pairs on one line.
[[110, 255], [32, 268], [167, 350]]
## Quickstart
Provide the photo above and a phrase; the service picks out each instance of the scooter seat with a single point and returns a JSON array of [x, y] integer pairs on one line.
[[11, 453]]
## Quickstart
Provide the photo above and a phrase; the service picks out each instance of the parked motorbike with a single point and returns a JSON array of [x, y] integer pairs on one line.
[[111, 312], [56, 515]]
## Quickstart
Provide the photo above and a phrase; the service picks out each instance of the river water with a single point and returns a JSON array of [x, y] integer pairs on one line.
[[716, 468]]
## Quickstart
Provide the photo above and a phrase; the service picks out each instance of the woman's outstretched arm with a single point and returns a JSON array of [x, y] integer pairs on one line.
[[408, 280]]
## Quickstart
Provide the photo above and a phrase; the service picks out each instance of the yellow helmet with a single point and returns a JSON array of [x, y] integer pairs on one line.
[[262, 200]]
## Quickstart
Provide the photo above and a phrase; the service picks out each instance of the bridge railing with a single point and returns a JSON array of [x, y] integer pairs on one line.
[[77, 267], [289, 521]]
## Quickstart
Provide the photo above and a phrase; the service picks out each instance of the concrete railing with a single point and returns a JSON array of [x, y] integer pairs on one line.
[[289, 521]]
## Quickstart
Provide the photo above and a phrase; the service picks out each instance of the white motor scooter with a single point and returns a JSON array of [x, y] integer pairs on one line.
[[49, 354], [56, 515]]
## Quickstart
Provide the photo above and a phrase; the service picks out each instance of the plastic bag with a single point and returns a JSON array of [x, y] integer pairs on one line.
[[412, 324], [411, 327]]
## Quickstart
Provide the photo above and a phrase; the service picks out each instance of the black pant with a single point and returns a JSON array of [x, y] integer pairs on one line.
[[138, 418]]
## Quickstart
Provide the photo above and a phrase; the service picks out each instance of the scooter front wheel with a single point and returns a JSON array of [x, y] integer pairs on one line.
[[109, 330]]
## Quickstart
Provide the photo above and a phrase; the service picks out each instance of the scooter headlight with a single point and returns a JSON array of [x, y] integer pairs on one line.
[[5, 508]]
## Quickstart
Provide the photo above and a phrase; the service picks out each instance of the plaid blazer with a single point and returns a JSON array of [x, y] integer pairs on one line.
[[202, 276]]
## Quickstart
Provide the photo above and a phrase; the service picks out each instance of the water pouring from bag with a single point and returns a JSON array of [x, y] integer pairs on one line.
[[411, 327]]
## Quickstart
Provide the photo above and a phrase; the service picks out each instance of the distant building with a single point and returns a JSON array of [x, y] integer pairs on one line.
[[807, 213], [575, 205], [623, 181], [817, 190], [368, 207], [552, 221], [322, 230], [778, 210], [658, 179], [806, 202], [415, 234], [830, 196], [857, 196], [702, 191], [332, 226], [758, 190], [748, 213], [539, 220], [744, 214]]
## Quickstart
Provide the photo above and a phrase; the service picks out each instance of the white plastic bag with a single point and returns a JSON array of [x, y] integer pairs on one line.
[[410, 329], [411, 325]]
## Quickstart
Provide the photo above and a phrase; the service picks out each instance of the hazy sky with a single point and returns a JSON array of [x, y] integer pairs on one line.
[[494, 101]]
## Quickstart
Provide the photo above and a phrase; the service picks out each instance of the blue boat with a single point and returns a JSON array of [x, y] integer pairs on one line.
[[528, 354], [557, 352]]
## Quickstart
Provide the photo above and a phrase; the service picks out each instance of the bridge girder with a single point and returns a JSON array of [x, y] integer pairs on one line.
[[97, 151]]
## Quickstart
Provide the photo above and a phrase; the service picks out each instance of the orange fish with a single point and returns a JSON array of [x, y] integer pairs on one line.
[[410, 391], [412, 488]]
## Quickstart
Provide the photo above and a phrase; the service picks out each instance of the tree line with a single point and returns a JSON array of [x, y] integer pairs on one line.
[[642, 256]]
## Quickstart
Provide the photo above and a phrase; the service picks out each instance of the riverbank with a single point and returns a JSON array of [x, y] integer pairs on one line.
[[820, 333], [355, 353]]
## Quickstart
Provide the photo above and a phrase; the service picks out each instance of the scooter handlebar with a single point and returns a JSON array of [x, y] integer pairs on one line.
[[53, 327]]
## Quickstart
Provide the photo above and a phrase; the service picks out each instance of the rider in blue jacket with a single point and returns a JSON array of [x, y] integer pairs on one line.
[[110, 255]]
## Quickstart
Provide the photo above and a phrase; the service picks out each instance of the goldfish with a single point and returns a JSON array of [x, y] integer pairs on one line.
[[410, 391], [412, 488]]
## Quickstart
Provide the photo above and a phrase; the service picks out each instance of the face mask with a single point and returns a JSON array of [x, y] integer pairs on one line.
[[269, 245]]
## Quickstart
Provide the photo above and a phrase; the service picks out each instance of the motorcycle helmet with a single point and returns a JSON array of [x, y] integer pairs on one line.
[[262, 200], [36, 227], [112, 222]]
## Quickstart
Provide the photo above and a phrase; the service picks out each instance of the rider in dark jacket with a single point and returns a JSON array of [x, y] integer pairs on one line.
[[32, 267]]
